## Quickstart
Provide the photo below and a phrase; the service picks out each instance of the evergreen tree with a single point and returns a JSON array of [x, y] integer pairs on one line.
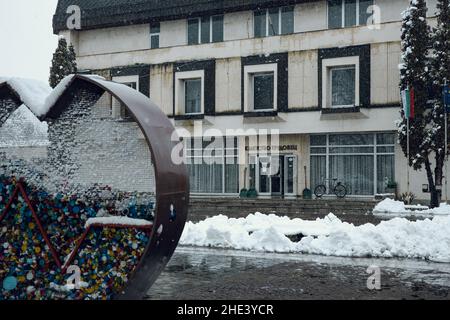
[[73, 58], [63, 63], [414, 73], [440, 72]]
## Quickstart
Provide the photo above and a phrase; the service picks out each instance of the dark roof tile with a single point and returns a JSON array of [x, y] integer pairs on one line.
[[110, 13]]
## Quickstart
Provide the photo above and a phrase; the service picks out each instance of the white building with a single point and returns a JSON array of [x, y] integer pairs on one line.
[[323, 73]]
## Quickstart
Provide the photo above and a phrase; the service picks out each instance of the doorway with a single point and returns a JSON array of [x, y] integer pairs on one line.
[[274, 176]]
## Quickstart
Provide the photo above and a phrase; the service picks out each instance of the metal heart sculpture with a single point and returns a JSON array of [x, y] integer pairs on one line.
[[97, 211]]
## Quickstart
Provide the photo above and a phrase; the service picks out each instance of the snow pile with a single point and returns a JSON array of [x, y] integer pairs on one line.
[[397, 208], [390, 206], [23, 129], [33, 93], [401, 238], [118, 221]]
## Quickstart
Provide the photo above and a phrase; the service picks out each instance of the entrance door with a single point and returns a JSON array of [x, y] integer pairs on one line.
[[270, 173], [276, 175], [277, 178]]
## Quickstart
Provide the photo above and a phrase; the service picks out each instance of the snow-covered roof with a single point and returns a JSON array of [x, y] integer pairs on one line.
[[32, 93], [38, 96]]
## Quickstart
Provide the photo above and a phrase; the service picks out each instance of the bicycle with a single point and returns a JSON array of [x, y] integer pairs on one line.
[[338, 189]]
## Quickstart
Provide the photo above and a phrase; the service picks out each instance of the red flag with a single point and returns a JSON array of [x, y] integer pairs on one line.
[[412, 99]]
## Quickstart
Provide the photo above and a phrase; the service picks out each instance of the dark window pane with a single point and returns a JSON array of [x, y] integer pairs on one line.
[[334, 14], [260, 23], [155, 27], [363, 8], [385, 149], [263, 91], [350, 13], [385, 138], [354, 150], [318, 140], [355, 171], [318, 170], [318, 150], [217, 28], [385, 171], [274, 22], [155, 41], [193, 30], [193, 92], [351, 139], [206, 30], [343, 87], [287, 20], [124, 113]]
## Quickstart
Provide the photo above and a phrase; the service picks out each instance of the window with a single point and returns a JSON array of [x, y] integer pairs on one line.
[[205, 30], [274, 21], [119, 111], [343, 86], [124, 113], [215, 172], [348, 13], [362, 162], [154, 35], [263, 89], [193, 31], [193, 96], [189, 92], [260, 87], [340, 82]]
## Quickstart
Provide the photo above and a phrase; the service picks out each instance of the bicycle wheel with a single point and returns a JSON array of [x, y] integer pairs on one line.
[[340, 191], [320, 191]]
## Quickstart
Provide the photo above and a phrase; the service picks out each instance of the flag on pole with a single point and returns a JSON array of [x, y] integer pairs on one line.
[[446, 97], [408, 100]]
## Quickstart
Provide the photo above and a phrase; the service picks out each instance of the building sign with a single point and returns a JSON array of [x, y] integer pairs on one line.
[[291, 147]]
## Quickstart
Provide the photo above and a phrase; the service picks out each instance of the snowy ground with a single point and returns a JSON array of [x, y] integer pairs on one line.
[[392, 208], [203, 273], [428, 239]]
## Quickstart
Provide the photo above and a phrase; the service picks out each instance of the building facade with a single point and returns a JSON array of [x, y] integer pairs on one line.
[[324, 74]]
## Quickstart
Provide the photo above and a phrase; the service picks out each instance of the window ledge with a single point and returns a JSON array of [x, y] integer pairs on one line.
[[190, 117], [341, 110], [260, 114]]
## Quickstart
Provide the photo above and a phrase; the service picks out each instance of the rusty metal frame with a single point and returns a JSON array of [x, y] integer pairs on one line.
[[172, 181]]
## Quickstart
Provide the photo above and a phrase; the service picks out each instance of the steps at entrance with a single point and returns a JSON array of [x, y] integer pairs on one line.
[[353, 211]]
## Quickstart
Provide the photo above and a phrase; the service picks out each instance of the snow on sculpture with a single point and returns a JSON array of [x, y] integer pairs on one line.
[[94, 197]]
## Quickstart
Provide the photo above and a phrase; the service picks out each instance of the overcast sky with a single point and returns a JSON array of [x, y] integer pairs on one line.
[[27, 42]]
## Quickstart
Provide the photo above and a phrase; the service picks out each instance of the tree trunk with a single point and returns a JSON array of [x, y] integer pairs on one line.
[[439, 175], [434, 203]]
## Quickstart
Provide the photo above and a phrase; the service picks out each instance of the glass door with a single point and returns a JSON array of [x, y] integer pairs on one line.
[[277, 177], [290, 175]]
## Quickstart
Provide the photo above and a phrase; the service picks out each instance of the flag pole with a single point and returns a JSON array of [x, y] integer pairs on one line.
[[446, 144], [408, 151]]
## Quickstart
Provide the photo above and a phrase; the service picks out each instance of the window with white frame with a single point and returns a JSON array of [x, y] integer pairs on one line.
[[348, 13], [364, 163], [119, 111], [213, 165], [154, 35], [205, 30], [189, 92], [260, 87], [340, 82], [273, 21]]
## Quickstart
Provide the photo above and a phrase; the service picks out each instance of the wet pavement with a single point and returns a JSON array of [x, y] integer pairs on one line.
[[200, 273]]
